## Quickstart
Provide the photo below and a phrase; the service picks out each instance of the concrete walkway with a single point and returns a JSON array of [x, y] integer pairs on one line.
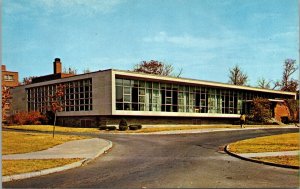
[[86, 149]]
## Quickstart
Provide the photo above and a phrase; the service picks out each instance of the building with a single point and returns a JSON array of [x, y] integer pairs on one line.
[[57, 73], [9, 80], [107, 96]]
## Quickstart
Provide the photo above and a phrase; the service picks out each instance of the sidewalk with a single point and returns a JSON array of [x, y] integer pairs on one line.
[[87, 149]]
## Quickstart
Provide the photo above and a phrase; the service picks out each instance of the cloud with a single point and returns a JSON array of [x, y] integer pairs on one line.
[[189, 41], [66, 7]]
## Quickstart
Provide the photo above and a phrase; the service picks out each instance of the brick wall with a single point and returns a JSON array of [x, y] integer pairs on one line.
[[280, 110]]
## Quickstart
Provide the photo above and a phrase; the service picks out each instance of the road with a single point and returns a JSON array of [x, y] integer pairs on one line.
[[164, 161]]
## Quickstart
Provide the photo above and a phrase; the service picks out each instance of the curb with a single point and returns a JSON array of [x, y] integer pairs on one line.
[[57, 169], [258, 161]]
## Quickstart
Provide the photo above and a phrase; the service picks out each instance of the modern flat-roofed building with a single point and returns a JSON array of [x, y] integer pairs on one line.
[[105, 97]]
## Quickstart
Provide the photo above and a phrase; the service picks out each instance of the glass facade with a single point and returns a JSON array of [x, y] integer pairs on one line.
[[141, 95], [77, 96]]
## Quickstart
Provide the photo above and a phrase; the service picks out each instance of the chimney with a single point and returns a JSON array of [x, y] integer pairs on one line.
[[57, 66], [3, 68]]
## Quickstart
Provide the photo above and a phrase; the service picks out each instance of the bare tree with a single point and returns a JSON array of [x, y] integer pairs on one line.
[[237, 77], [156, 67], [57, 103], [86, 70], [287, 83], [27, 80], [263, 83], [70, 70], [6, 96]]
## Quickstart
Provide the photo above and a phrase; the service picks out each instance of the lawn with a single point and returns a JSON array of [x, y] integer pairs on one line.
[[17, 142], [49, 128], [283, 160], [275, 143], [11, 167]]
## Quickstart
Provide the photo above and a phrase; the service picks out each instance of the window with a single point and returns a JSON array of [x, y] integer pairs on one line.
[[8, 77], [139, 95], [77, 96]]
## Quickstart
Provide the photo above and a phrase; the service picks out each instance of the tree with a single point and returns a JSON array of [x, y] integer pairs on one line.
[[156, 67], [86, 70], [27, 80], [70, 71], [57, 103], [237, 77], [6, 96], [287, 83], [263, 83], [293, 106], [260, 110]]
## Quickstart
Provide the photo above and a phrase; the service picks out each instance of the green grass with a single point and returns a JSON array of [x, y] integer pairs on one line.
[[11, 167], [17, 142], [275, 143]]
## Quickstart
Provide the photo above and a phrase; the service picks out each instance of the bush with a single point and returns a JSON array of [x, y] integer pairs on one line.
[[285, 119], [123, 128], [135, 127], [111, 128], [102, 127], [123, 122], [260, 110], [28, 118]]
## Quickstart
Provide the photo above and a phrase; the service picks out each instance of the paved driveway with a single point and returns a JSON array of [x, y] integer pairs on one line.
[[162, 161]]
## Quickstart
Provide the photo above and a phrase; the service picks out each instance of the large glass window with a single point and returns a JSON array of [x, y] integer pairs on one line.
[[77, 96], [139, 95]]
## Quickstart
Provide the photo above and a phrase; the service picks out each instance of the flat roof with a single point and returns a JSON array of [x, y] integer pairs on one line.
[[197, 82], [182, 80]]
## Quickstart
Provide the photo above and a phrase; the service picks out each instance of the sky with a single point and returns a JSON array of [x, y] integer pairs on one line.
[[203, 37]]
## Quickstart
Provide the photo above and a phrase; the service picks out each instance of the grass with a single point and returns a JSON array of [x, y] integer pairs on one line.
[[174, 128], [17, 142], [282, 160], [11, 167], [49, 128], [275, 143]]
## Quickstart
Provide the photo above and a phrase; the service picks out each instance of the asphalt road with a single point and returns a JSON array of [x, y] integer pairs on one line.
[[164, 161]]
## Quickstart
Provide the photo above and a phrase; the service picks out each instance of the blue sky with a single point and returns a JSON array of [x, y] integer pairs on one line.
[[204, 37]]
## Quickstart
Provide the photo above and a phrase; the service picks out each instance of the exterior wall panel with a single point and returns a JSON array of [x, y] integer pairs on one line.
[[19, 99]]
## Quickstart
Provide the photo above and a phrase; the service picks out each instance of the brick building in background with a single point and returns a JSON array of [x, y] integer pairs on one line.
[[10, 79]]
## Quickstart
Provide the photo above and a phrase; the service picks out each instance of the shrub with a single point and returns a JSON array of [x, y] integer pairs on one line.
[[260, 110], [123, 122], [103, 127], [135, 127], [34, 118], [111, 128], [123, 128]]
